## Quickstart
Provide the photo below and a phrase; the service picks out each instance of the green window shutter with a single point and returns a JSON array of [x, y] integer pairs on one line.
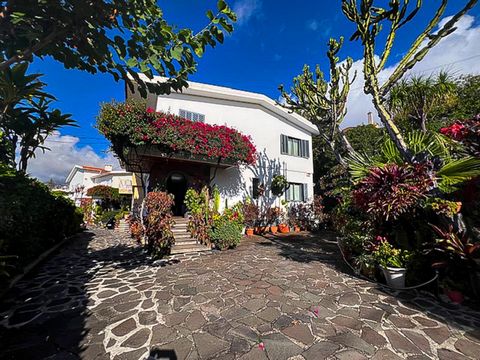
[[283, 144], [255, 185]]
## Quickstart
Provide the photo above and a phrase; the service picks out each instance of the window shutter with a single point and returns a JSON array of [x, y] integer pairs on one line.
[[305, 192], [283, 144], [307, 149], [255, 184]]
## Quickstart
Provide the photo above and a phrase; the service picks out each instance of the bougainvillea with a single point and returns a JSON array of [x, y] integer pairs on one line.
[[130, 124], [392, 190], [467, 132], [103, 192]]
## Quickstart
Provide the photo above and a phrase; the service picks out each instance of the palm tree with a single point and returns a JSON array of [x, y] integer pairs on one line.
[[418, 97]]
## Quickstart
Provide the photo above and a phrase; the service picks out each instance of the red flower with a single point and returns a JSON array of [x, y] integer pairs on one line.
[[150, 110]]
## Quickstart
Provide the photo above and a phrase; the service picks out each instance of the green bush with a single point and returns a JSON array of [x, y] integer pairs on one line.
[[32, 219], [226, 234]]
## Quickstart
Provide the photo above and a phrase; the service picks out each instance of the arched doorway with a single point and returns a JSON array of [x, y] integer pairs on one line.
[[177, 186]]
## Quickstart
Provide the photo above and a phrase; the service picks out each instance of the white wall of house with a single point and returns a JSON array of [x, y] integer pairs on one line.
[[265, 129], [121, 180]]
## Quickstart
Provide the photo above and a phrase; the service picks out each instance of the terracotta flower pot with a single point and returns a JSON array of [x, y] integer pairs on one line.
[[296, 228], [273, 229], [284, 228], [249, 232]]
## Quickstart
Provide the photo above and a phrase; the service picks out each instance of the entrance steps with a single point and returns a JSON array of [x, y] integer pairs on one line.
[[184, 242]]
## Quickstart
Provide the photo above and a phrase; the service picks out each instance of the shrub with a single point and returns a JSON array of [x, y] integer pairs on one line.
[[392, 190], [136, 229], [32, 219], [158, 223], [226, 234], [251, 213], [467, 132]]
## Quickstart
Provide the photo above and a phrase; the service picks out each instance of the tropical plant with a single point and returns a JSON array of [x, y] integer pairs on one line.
[[456, 244], [279, 185], [324, 103], [417, 98], [370, 18], [26, 119], [103, 192], [130, 124], [392, 190], [136, 229], [158, 222], [273, 216], [216, 199], [194, 201], [116, 37], [251, 213], [468, 97]]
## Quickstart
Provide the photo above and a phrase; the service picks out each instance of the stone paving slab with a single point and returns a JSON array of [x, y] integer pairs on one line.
[[287, 298]]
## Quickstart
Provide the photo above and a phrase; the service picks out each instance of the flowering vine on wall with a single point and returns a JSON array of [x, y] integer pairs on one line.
[[130, 124]]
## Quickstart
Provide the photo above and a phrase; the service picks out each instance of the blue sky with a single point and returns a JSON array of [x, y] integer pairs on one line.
[[271, 43]]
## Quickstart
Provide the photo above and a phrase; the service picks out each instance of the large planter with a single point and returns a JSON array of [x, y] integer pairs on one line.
[[296, 228], [274, 229], [283, 228], [395, 277], [249, 232]]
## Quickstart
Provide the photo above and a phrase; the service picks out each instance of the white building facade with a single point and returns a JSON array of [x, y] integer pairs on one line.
[[283, 141], [83, 177]]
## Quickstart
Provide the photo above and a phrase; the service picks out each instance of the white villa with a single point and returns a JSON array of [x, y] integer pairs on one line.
[[283, 141], [83, 177]]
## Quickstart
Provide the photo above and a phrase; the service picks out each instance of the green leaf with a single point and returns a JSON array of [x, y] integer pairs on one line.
[[176, 52], [222, 5]]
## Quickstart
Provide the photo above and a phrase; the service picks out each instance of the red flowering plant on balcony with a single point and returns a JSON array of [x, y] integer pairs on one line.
[[130, 124]]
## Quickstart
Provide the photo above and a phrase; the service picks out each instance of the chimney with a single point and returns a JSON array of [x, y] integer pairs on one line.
[[370, 118], [108, 168]]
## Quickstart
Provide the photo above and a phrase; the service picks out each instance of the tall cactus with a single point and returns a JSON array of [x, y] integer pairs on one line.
[[369, 20], [324, 103]]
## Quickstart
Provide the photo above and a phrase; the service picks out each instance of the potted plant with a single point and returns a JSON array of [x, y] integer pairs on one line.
[[365, 265], [393, 263], [250, 217], [273, 217], [279, 185], [283, 226]]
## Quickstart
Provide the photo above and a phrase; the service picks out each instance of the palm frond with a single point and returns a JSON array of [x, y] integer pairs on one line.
[[456, 172]]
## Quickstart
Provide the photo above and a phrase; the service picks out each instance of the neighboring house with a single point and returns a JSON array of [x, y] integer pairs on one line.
[[82, 177], [283, 141]]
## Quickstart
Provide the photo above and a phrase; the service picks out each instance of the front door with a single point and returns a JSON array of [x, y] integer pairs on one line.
[[177, 186]]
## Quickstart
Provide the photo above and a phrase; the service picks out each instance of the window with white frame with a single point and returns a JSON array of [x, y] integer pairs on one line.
[[190, 115], [296, 192]]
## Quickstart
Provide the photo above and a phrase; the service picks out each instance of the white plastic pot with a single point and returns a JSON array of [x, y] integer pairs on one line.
[[395, 277]]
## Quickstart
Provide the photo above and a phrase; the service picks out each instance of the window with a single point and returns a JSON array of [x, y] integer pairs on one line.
[[193, 116], [296, 192], [294, 147]]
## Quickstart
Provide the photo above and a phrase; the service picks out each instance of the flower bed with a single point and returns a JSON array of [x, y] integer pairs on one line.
[[130, 124]]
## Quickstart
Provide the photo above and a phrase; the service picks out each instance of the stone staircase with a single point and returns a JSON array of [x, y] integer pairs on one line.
[[184, 243], [122, 226]]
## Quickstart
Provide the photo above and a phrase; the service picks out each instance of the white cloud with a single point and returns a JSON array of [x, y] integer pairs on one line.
[[246, 9], [64, 154], [459, 53], [312, 25]]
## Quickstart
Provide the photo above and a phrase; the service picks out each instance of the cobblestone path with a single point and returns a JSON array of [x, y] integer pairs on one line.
[[101, 298]]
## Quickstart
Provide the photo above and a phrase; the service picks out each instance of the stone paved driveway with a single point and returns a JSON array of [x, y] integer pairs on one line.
[[100, 298]]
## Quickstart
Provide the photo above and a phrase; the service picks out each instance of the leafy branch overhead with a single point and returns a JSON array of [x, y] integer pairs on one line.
[[117, 37], [324, 103]]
